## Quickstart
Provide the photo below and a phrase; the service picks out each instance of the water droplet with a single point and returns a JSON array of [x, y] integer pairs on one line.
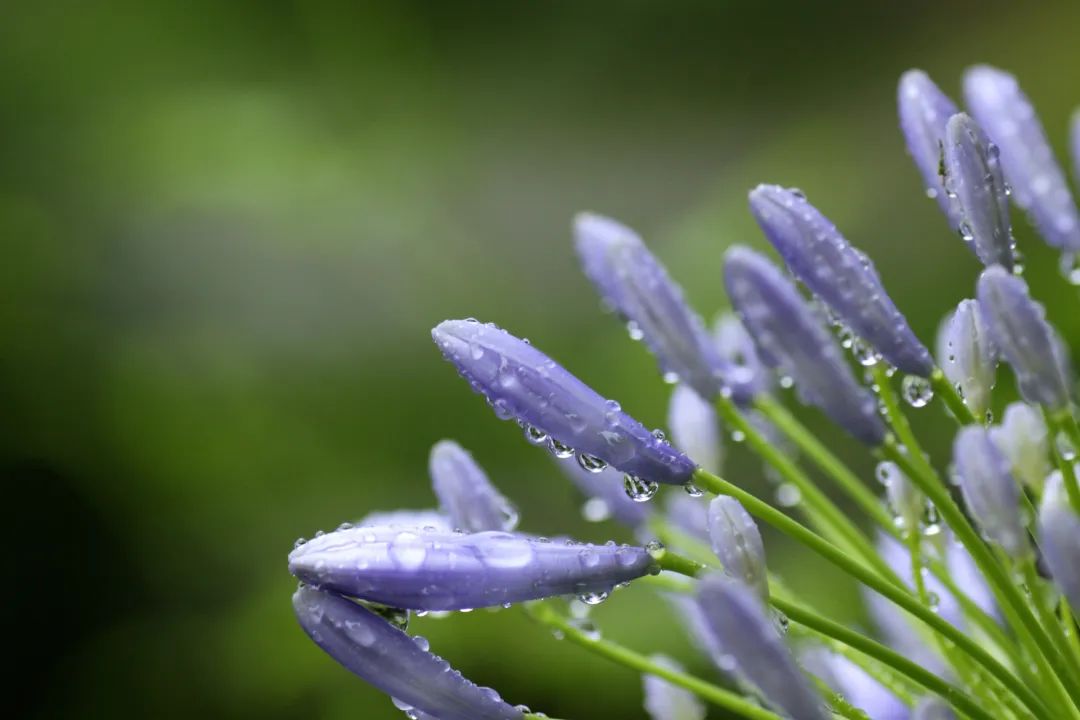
[[671, 378], [693, 490], [534, 435], [916, 391], [558, 449], [634, 330], [595, 510], [656, 549], [1070, 267], [593, 598], [786, 381], [639, 489], [659, 434], [299, 541], [591, 463], [788, 495], [395, 616], [737, 436], [422, 642]]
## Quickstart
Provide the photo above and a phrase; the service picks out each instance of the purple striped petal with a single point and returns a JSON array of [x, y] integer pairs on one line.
[[1038, 184], [1059, 537], [1023, 439], [367, 645], [521, 382], [664, 701], [694, 427], [465, 494], [924, 111], [842, 276], [967, 356], [790, 337], [736, 540], [432, 570], [990, 491], [607, 488]]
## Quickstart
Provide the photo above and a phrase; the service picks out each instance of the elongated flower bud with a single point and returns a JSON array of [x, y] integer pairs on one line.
[[689, 515], [736, 540], [843, 277], [392, 661], [990, 491], [607, 495], [974, 179], [745, 633], [853, 683], [924, 111], [694, 427], [906, 501], [1038, 185], [523, 383], [432, 570], [737, 347], [1019, 331], [1059, 537], [689, 614], [405, 519], [664, 701], [633, 281], [790, 337], [1024, 441], [465, 493], [967, 356]]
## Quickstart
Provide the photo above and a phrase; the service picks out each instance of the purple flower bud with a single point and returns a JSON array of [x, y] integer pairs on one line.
[[750, 642], [1019, 331], [406, 519], [632, 281], [1023, 439], [664, 701], [689, 614], [367, 645], [1059, 537], [790, 337], [694, 427], [433, 570], [852, 682], [843, 277], [924, 111], [1038, 185], [689, 515], [990, 492], [465, 493], [967, 356], [737, 347], [607, 495], [974, 179], [735, 539], [932, 708], [523, 383]]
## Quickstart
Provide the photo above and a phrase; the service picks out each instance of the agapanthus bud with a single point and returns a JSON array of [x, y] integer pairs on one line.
[[967, 356], [906, 501], [974, 179], [924, 111], [1038, 185], [406, 519], [634, 282], [392, 661], [690, 616], [433, 570], [664, 701], [737, 347], [853, 683], [1024, 441], [465, 493], [694, 427], [932, 708], [750, 642], [689, 515], [791, 338], [1019, 331], [523, 383], [842, 276], [736, 540], [990, 491], [1059, 538], [607, 495]]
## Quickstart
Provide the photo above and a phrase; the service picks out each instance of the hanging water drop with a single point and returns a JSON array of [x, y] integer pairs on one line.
[[595, 510], [639, 489], [656, 549], [916, 391], [534, 435], [634, 330], [788, 495], [591, 463], [593, 598], [693, 490], [559, 449]]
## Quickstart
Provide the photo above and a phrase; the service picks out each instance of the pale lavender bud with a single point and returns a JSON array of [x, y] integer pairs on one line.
[[842, 276], [736, 540], [974, 179], [905, 500], [689, 515], [967, 356], [924, 111], [932, 708], [521, 382], [664, 701], [405, 519], [990, 491], [791, 338], [1038, 184], [434, 570], [737, 347], [1059, 537], [1074, 143], [465, 493], [852, 682], [750, 642], [606, 495], [1019, 331], [1023, 439], [369, 646], [694, 427], [690, 616]]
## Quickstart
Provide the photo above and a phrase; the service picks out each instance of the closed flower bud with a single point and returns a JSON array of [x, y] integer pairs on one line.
[[852, 682], [384, 656], [523, 383], [905, 500], [689, 614], [664, 701], [689, 515], [990, 491], [1024, 441], [924, 111], [974, 179], [735, 539], [790, 337], [607, 495], [465, 493], [433, 570], [1038, 184], [967, 356], [694, 427], [843, 277], [737, 347], [1059, 537], [750, 643], [1019, 331]]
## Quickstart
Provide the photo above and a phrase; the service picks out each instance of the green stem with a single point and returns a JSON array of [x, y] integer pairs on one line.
[[836, 701], [1068, 623], [945, 390], [680, 564], [1046, 615], [1063, 422]]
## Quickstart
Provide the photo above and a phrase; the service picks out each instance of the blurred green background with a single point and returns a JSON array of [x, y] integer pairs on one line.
[[228, 228]]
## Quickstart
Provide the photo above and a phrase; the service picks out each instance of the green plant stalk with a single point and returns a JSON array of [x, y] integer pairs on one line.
[[836, 701], [944, 389], [672, 537], [1063, 423], [1068, 623], [1046, 615], [898, 595]]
